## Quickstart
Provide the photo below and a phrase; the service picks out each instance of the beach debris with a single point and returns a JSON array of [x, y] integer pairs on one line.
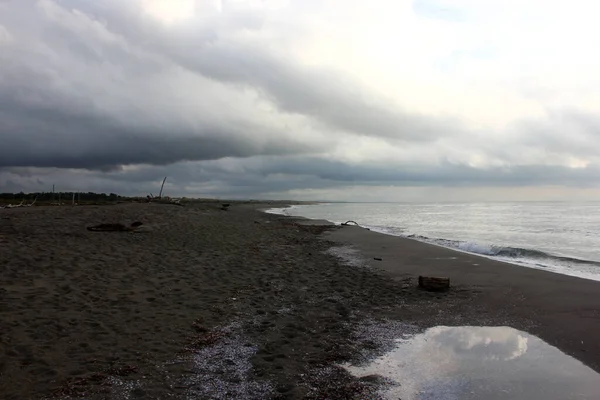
[[15, 205], [124, 370], [169, 200], [434, 284], [163, 199], [334, 382], [21, 204], [114, 227], [377, 259], [203, 338], [161, 188], [225, 207], [32, 203], [350, 223], [198, 327], [79, 386], [353, 223]]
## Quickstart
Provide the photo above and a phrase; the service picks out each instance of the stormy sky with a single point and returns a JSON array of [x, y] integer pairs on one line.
[[418, 100]]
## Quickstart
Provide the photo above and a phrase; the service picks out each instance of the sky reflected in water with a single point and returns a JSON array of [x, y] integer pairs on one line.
[[448, 363]]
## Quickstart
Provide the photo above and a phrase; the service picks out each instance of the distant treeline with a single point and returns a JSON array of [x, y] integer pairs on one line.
[[65, 197]]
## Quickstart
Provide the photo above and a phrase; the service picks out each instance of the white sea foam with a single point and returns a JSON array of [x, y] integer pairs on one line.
[[288, 211]]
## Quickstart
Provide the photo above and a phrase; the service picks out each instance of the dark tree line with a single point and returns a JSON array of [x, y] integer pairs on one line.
[[64, 197]]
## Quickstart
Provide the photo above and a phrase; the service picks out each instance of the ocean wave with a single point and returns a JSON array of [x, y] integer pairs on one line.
[[281, 210], [504, 252]]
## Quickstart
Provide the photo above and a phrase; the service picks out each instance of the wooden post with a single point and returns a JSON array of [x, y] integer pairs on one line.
[[434, 284]]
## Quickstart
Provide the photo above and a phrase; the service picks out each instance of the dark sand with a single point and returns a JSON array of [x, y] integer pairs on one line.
[[562, 310], [175, 310]]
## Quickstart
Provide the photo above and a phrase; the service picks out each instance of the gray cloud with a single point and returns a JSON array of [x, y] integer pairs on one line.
[[265, 176], [320, 94], [78, 97], [76, 69], [54, 138], [90, 87]]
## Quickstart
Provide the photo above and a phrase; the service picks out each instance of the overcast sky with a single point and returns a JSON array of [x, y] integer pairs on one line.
[[419, 100]]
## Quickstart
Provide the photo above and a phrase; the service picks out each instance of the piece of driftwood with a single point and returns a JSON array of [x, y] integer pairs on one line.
[[164, 200], [434, 284], [32, 203], [21, 204], [161, 188], [15, 205], [350, 223], [114, 227], [168, 200]]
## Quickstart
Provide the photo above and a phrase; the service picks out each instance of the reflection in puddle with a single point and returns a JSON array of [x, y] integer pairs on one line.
[[481, 363]]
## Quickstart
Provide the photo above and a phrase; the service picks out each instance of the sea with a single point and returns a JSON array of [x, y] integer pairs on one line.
[[560, 237]]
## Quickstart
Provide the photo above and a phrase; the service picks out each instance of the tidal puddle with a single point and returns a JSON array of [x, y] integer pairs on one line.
[[448, 363]]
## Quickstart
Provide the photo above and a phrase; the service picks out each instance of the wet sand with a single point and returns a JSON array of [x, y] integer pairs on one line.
[[216, 304], [562, 310]]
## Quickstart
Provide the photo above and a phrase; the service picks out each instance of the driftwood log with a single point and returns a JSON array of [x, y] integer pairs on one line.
[[161, 188], [114, 227], [350, 223], [15, 205], [434, 284]]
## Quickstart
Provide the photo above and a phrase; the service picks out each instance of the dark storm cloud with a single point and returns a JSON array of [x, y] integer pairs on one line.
[[55, 110], [49, 118], [51, 138]]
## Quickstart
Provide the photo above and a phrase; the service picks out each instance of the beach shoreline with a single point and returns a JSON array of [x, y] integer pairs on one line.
[[562, 310], [103, 314], [574, 257]]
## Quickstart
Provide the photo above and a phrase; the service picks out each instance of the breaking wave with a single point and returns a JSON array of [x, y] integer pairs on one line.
[[504, 252]]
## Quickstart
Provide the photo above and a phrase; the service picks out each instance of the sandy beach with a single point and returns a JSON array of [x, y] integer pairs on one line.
[[206, 303], [562, 310]]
